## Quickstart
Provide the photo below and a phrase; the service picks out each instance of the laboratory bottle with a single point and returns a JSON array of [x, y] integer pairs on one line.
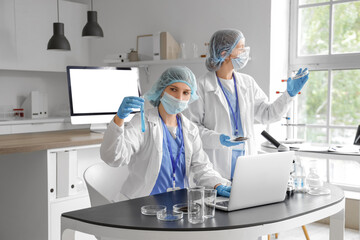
[[313, 180], [299, 178]]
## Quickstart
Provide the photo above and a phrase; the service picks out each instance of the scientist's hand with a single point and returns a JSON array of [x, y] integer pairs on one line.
[[295, 85], [127, 106], [223, 190], [225, 140]]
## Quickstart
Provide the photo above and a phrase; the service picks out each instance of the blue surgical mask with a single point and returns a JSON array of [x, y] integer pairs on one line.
[[241, 60], [173, 105]]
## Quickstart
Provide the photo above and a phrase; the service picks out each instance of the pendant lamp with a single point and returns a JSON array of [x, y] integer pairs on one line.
[[58, 41], [92, 28]]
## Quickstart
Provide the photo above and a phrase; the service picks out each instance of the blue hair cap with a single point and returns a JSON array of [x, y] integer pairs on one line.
[[170, 76], [222, 41]]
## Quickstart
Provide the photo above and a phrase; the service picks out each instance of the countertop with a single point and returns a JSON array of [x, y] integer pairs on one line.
[[29, 142]]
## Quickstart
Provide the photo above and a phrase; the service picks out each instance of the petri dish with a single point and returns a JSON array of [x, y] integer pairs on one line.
[[181, 207], [319, 191], [239, 139], [151, 210], [163, 215]]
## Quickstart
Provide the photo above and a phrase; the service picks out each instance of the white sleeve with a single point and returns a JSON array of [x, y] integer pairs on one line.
[[201, 167], [120, 143], [196, 112], [266, 112]]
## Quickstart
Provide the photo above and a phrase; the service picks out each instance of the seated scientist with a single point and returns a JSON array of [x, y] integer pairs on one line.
[[161, 158]]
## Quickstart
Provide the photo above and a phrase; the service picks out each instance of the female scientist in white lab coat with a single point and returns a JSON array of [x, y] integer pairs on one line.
[[161, 158], [230, 102]]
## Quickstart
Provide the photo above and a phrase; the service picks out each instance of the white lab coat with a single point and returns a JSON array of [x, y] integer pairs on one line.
[[211, 113], [142, 153]]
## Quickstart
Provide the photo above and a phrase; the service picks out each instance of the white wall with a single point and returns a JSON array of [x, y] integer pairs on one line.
[[188, 21], [16, 85]]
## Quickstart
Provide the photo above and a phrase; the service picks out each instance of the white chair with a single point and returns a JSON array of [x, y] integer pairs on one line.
[[104, 183]]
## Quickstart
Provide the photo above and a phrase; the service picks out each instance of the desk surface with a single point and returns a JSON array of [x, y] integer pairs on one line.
[[127, 214], [29, 142]]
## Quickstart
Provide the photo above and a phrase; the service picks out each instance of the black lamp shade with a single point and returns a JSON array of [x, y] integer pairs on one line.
[[92, 28], [58, 41]]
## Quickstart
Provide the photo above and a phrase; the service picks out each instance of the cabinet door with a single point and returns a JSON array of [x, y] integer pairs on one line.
[[8, 55], [77, 160], [66, 205]]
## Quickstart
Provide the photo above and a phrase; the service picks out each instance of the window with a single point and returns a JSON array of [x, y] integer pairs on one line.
[[325, 38]]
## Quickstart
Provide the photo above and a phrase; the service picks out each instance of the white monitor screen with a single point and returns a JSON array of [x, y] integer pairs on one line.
[[95, 93]]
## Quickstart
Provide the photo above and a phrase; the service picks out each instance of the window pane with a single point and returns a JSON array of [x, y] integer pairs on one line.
[[345, 93], [342, 136], [313, 31], [302, 2], [312, 135], [312, 102], [346, 33], [345, 172]]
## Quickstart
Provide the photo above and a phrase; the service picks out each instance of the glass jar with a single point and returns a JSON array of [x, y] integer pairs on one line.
[[18, 113]]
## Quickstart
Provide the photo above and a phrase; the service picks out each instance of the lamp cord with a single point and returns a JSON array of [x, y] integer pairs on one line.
[[91, 5]]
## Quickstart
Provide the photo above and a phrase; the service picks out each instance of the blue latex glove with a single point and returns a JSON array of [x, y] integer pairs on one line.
[[223, 190], [295, 85], [127, 106], [224, 140]]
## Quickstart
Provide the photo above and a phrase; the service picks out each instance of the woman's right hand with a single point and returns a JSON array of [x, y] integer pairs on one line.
[[127, 106], [225, 141]]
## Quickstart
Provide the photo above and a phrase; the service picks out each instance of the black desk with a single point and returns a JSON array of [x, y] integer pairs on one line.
[[124, 219]]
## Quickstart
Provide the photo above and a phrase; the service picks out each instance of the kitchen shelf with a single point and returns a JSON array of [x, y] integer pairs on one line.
[[118, 63], [33, 121]]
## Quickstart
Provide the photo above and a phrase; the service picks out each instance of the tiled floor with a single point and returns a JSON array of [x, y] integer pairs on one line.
[[317, 231]]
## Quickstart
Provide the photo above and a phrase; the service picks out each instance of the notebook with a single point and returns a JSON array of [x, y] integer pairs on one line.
[[258, 180]]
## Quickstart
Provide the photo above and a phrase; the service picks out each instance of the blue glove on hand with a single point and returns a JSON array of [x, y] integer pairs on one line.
[[127, 106], [223, 190], [295, 85], [224, 140]]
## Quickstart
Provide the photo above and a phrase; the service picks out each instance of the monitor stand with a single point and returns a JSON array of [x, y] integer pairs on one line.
[[98, 127]]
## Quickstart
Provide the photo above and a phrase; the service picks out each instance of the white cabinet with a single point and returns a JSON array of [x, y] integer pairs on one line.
[[26, 27], [30, 206]]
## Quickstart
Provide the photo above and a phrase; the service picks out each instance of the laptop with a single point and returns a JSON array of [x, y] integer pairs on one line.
[[258, 180]]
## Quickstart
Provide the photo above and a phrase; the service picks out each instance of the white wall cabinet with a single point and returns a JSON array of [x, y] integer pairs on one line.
[[27, 26], [30, 206]]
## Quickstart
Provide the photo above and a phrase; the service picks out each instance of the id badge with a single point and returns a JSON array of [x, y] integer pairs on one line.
[[173, 189]]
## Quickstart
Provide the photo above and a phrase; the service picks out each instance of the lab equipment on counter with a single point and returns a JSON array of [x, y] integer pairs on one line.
[[181, 207], [299, 177], [196, 205], [280, 147], [315, 185], [209, 201], [152, 209], [166, 216]]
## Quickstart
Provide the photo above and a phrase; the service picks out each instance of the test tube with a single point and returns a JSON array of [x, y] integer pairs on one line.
[[142, 118]]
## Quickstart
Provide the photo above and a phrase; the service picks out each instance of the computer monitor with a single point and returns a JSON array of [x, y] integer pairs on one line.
[[95, 93]]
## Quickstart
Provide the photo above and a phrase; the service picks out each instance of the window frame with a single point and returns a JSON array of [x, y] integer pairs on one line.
[[328, 62]]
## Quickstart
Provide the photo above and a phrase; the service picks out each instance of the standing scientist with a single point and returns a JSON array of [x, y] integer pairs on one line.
[[161, 158], [230, 102]]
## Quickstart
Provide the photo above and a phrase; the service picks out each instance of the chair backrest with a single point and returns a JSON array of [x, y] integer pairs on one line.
[[104, 183]]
